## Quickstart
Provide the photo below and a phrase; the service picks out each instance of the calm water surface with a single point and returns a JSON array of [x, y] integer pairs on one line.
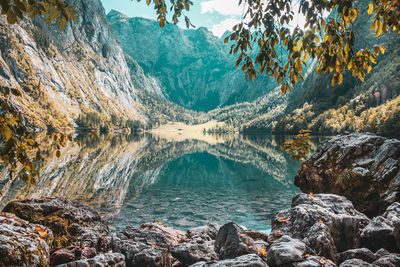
[[133, 180]]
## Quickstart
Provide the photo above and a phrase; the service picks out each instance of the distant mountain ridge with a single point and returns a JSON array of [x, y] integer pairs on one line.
[[193, 68]]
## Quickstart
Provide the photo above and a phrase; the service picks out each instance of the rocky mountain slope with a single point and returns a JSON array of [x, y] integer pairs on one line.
[[193, 68], [65, 73]]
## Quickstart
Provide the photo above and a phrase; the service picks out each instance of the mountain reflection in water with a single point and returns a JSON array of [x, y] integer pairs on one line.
[[137, 179]]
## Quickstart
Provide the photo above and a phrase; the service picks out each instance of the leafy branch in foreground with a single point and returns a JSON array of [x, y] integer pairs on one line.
[[265, 27], [299, 147]]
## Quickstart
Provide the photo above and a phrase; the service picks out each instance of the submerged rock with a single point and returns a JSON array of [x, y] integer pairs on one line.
[[232, 241], [249, 260], [23, 243], [71, 222], [142, 247], [326, 223], [363, 167], [102, 260]]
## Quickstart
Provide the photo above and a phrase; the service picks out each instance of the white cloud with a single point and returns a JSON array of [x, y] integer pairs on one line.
[[225, 25], [224, 7]]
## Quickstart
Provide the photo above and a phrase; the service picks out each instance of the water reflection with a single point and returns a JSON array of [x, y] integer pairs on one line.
[[136, 179]]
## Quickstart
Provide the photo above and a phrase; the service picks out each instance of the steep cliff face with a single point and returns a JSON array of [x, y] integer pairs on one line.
[[193, 67], [65, 73]]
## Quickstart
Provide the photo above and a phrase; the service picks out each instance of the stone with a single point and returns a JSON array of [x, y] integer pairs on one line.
[[208, 232], [232, 241], [314, 261], [286, 251], [174, 236], [71, 222], [64, 255], [390, 260], [142, 247], [190, 253], [382, 252], [249, 260], [23, 243], [326, 223], [358, 253], [355, 263], [102, 260], [256, 235], [363, 167], [378, 234]]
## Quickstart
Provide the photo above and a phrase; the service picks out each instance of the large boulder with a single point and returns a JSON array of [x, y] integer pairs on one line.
[[71, 222], [207, 232], [102, 260], [249, 260], [232, 241], [356, 263], [142, 247], [23, 243], [326, 223], [363, 167], [358, 253], [390, 260]]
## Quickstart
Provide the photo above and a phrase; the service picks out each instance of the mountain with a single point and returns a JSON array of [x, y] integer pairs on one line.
[[67, 74], [193, 68]]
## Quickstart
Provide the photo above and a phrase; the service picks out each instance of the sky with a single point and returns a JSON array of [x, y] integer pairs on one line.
[[217, 15]]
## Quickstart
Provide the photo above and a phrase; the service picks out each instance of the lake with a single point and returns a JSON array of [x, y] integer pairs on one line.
[[187, 183]]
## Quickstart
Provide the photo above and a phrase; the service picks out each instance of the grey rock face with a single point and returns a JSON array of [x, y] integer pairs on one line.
[[142, 247], [174, 236], [208, 232], [363, 167], [102, 260], [232, 241], [193, 67], [326, 223], [358, 253], [21, 244], [250, 260], [286, 251], [80, 68]]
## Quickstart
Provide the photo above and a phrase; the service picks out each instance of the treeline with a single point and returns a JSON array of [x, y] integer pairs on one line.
[[94, 120]]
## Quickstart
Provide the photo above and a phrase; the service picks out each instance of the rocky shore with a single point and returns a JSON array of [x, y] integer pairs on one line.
[[317, 230]]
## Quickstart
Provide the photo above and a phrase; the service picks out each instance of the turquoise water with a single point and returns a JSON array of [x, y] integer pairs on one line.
[[131, 180]]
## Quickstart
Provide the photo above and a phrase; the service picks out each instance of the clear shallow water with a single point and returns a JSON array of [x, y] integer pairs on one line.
[[133, 180]]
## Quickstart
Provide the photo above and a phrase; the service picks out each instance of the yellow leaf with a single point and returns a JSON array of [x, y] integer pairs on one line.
[[312, 195], [282, 219], [306, 256], [382, 49], [154, 246], [159, 223], [340, 79], [321, 221], [42, 232], [277, 234], [263, 252], [380, 28], [370, 9]]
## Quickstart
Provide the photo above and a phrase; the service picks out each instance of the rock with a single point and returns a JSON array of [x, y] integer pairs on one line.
[[71, 222], [382, 252], [190, 253], [358, 253], [142, 247], [208, 232], [174, 236], [232, 241], [256, 235], [363, 167], [315, 261], [286, 251], [23, 243], [324, 222], [102, 260], [390, 260], [249, 260], [356, 263], [378, 234], [64, 255]]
